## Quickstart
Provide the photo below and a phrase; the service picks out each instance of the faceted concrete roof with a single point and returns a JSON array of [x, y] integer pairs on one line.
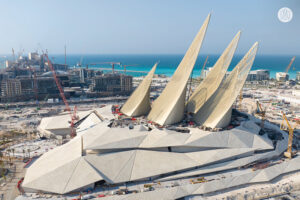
[[60, 125], [102, 137], [134, 155], [259, 176], [60, 170]]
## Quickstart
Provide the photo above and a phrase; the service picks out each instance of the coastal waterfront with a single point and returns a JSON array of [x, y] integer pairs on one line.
[[168, 63]]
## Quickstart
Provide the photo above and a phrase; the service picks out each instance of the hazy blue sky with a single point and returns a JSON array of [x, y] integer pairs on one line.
[[146, 26]]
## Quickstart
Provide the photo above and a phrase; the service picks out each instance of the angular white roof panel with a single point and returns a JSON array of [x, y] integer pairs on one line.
[[102, 137], [87, 123]]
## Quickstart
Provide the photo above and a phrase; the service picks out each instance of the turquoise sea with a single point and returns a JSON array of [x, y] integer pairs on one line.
[[168, 63]]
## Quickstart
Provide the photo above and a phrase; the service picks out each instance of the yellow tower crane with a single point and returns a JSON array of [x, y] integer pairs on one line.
[[262, 113], [289, 154]]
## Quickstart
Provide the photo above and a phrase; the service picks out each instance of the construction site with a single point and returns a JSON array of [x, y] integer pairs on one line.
[[32, 79], [224, 135]]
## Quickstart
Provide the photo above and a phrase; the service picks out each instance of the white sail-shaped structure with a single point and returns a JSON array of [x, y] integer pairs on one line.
[[213, 80], [216, 112], [139, 102], [169, 107]]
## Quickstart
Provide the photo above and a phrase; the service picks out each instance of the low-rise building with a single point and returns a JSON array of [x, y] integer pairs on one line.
[[11, 88], [112, 83], [258, 75], [298, 77], [282, 76], [34, 56]]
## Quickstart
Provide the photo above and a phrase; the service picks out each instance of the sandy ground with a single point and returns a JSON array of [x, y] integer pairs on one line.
[[9, 190], [280, 186]]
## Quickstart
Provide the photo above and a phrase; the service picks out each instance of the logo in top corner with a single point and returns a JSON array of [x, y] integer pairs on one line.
[[285, 14]]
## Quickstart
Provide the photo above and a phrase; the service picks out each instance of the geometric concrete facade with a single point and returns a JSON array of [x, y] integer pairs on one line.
[[266, 175], [169, 107], [139, 102], [60, 125], [140, 155]]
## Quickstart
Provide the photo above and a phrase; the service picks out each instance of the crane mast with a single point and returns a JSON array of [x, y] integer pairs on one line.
[[288, 153]]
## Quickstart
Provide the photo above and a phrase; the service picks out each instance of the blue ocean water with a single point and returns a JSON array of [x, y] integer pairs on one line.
[[168, 63]]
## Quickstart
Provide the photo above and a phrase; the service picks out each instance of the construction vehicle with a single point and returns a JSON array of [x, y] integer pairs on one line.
[[115, 109], [62, 94], [198, 180], [289, 154]]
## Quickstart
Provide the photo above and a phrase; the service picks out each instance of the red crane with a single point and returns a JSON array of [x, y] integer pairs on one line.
[[290, 64], [62, 94], [203, 66]]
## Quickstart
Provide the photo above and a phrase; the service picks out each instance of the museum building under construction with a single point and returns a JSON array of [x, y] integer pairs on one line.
[[156, 146]]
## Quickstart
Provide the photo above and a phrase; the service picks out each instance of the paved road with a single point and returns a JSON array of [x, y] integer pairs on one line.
[[10, 190]]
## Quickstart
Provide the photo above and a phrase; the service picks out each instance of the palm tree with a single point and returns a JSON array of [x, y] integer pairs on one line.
[[23, 153], [8, 150], [2, 169], [28, 150], [13, 151]]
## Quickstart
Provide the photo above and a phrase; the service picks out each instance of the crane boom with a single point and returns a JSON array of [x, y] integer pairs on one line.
[[290, 64], [61, 92]]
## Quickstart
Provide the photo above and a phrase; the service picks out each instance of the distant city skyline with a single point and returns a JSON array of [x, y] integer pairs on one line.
[[146, 27]]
